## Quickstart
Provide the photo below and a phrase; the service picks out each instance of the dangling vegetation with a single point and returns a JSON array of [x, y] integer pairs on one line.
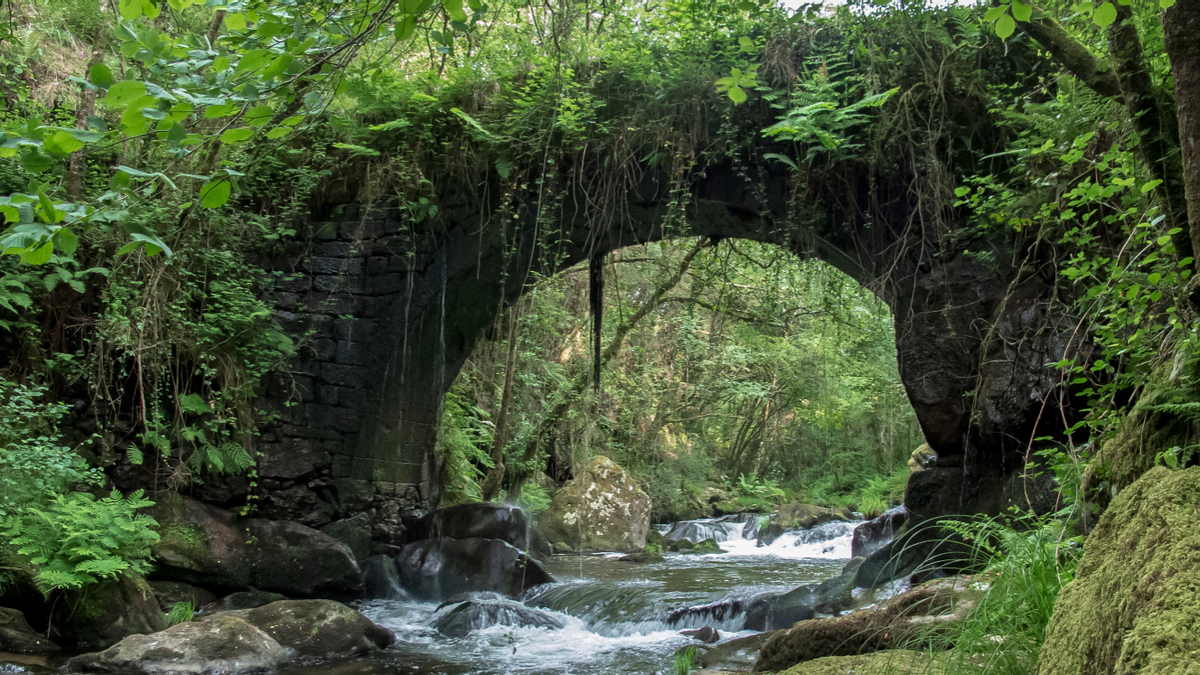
[[157, 156]]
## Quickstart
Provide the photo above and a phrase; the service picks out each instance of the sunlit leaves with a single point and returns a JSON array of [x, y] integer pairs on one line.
[[1104, 15], [215, 194], [737, 82]]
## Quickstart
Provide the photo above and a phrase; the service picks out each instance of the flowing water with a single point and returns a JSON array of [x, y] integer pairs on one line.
[[614, 615]]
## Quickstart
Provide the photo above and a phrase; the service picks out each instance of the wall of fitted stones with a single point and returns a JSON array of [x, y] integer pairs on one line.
[[341, 293]]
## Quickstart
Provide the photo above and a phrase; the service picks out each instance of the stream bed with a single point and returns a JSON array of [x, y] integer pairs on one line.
[[614, 613]]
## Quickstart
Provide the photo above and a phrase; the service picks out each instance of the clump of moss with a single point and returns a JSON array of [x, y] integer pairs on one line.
[[1134, 606], [894, 662]]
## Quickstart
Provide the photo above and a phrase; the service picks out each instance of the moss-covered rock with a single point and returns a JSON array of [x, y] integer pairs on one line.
[[199, 544], [798, 517], [903, 621], [224, 644], [704, 547], [317, 628], [1134, 605], [99, 615], [922, 458], [892, 662], [602, 509]]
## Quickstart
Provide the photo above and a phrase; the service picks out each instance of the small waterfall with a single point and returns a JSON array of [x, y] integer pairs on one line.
[[622, 611], [721, 529]]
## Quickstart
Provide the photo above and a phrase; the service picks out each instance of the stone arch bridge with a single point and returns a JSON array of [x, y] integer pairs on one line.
[[390, 310]]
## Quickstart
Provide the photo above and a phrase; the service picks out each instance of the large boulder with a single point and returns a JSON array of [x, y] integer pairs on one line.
[[459, 619], [209, 546], [486, 520], [381, 578], [798, 517], [317, 628], [435, 569], [99, 615], [773, 611], [1134, 605], [891, 662], [737, 655], [301, 562], [875, 534], [224, 644], [17, 637], [922, 458], [171, 593], [602, 509], [354, 532], [917, 616], [242, 600], [199, 544]]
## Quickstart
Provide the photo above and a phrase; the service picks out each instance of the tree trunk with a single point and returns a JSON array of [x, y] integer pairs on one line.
[[1152, 123], [495, 475], [1181, 32], [76, 167]]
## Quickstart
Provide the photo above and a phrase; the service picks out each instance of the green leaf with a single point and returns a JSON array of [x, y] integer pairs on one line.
[[238, 135], [214, 195], [406, 28], [36, 161], [123, 93], [737, 95], [747, 6], [278, 132], [67, 242], [994, 13], [1021, 11], [100, 76], [1166, 4], [130, 10], [1104, 15], [39, 256], [63, 142], [235, 21], [1005, 26], [781, 158]]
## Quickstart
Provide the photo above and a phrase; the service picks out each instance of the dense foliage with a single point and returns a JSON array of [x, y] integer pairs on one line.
[[151, 153]]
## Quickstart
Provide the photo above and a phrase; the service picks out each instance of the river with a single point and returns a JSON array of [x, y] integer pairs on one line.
[[614, 613]]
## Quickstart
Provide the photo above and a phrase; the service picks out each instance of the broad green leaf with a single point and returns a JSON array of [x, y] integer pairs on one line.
[[1104, 15], [406, 28], [258, 115], [62, 143], [220, 64], [1166, 4], [130, 10], [150, 8], [278, 132], [67, 241], [737, 95], [235, 21], [100, 76], [123, 92], [1021, 11], [1005, 26], [214, 195], [38, 256], [994, 13], [253, 60], [36, 161], [238, 135]]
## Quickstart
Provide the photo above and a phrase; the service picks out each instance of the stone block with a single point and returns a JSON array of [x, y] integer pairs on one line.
[[303, 431], [341, 466], [328, 394], [292, 459], [352, 398], [293, 283], [383, 284], [324, 231], [344, 375], [377, 264], [286, 301], [332, 265], [323, 349], [337, 305], [329, 417], [353, 353]]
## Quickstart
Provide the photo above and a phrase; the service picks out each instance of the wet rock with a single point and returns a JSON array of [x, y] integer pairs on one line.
[[440, 568], [707, 634], [602, 509], [199, 544], [719, 530], [381, 579], [922, 458], [298, 503], [301, 562], [737, 655], [642, 557], [171, 593], [701, 548], [354, 532], [470, 521], [17, 637], [242, 600], [457, 620], [223, 644], [713, 611], [102, 614], [1134, 605], [774, 611], [798, 517], [875, 534], [921, 614], [317, 628]]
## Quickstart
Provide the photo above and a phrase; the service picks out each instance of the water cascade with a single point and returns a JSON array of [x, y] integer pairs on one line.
[[605, 615]]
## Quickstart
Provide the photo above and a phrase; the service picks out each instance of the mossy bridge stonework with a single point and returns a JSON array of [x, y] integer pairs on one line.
[[389, 310]]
